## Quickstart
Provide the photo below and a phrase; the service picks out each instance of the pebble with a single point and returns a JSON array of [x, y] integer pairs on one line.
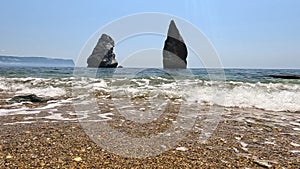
[[244, 148], [295, 151], [163, 146], [238, 138], [271, 143], [263, 163], [181, 148], [9, 157], [236, 150], [295, 144], [244, 144], [77, 159]]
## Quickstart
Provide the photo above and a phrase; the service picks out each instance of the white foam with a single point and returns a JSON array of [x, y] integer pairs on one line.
[[29, 85], [57, 116], [48, 91], [18, 111], [49, 106], [10, 86], [106, 115], [19, 122], [296, 129], [26, 110], [295, 123], [267, 96], [100, 85], [274, 97]]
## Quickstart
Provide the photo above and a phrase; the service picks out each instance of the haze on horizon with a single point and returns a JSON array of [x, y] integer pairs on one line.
[[246, 34]]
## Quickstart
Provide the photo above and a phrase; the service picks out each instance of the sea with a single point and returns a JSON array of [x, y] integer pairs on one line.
[[238, 88]]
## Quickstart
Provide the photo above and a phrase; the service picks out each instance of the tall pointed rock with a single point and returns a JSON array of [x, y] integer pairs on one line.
[[175, 51], [103, 55]]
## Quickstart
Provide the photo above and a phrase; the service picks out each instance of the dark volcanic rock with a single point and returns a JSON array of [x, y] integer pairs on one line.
[[175, 51], [103, 55], [28, 98]]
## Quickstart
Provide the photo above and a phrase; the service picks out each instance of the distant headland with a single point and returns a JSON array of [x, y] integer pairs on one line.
[[20, 61]]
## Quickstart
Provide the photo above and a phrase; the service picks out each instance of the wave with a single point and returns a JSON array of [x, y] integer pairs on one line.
[[38, 86], [267, 96], [273, 97]]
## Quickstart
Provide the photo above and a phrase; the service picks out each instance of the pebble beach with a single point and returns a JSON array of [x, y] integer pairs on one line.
[[240, 140]]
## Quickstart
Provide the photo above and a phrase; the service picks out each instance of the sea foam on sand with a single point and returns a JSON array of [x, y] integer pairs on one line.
[[47, 92]]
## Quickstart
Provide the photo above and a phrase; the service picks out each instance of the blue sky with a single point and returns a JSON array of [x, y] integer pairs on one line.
[[249, 34]]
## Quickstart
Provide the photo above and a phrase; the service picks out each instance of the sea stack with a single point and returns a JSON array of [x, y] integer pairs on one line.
[[103, 55], [175, 51]]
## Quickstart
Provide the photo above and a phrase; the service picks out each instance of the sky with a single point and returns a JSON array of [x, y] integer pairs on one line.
[[244, 33]]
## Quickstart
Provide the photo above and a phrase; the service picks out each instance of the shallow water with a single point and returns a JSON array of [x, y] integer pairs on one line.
[[243, 88]]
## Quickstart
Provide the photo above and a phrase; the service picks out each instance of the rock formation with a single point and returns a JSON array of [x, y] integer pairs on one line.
[[175, 51], [103, 55], [285, 76], [28, 98]]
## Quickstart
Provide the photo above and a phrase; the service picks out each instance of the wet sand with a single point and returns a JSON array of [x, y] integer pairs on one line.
[[244, 138]]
